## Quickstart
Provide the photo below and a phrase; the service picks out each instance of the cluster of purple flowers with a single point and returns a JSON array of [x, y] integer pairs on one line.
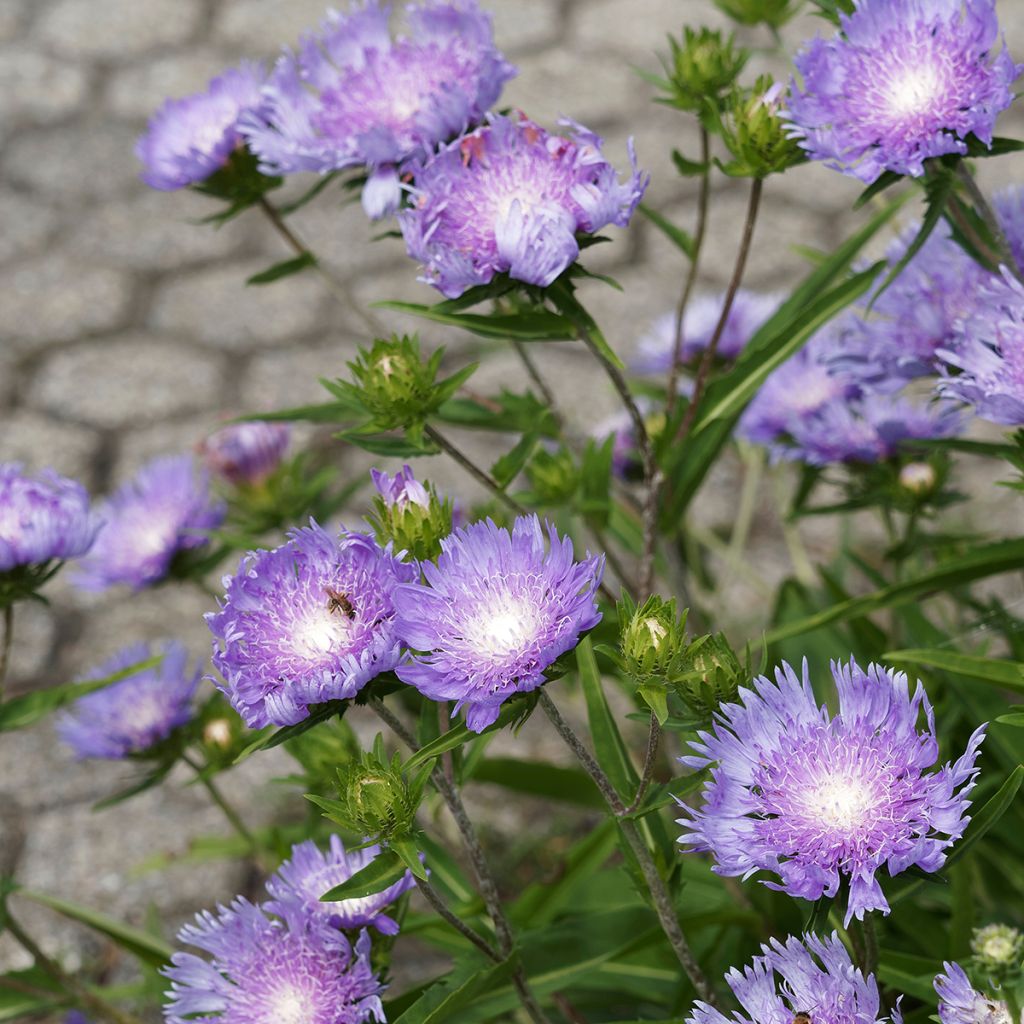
[[289, 959], [814, 798]]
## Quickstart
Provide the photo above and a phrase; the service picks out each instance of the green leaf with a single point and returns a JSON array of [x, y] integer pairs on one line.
[[146, 782], [656, 698], [538, 778], [387, 445], [148, 948], [283, 269], [681, 239], [1016, 719], [534, 325], [511, 464], [409, 854], [688, 168], [885, 180], [456, 990], [385, 869], [1000, 146], [595, 501], [21, 1006], [1006, 674], [326, 412], [287, 209], [30, 708], [984, 561], [318, 713], [611, 751], [562, 295], [982, 822]]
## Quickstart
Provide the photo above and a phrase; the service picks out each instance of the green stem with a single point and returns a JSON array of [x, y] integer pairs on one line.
[[541, 384], [79, 992], [988, 215], [870, 962], [803, 567], [653, 738], [233, 817], [5, 646], [433, 897]]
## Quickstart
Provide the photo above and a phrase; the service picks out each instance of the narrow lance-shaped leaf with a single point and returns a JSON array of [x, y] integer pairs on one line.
[[1004, 674], [385, 869]]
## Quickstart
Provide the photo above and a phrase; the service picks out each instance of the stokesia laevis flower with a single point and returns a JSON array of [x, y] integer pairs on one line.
[[354, 97], [961, 1003], [134, 714], [308, 622], [164, 509], [814, 799], [749, 312], [903, 81], [496, 610], [512, 198], [295, 969], [43, 516], [400, 490], [310, 873], [809, 975], [988, 352], [246, 453], [189, 139]]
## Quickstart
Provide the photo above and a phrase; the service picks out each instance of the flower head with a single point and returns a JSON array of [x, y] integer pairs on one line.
[[749, 312], [512, 198], [295, 969], [189, 139], [813, 798], [310, 873], [496, 610], [308, 622], [961, 1003], [998, 948], [903, 81], [246, 453], [989, 353], [812, 976], [134, 714], [401, 490], [353, 96], [42, 517], [163, 509]]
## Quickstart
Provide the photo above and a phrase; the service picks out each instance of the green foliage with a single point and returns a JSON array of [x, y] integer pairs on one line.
[[754, 133], [701, 69], [773, 13]]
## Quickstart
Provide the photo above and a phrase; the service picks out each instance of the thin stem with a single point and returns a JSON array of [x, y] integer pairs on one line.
[[653, 738], [870, 964], [660, 896], [485, 880], [542, 385], [708, 359], [474, 470], [691, 276], [86, 998], [337, 288], [433, 897], [803, 567], [988, 215], [5, 646], [963, 224], [233, 817]]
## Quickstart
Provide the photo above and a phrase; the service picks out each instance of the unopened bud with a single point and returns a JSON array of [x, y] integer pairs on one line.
[[218, 733], [713, 676], [919, 478], [773, 13], [755, 134], [998, 949], [553, 476], [409, 515], [704, 67], [376, 800]]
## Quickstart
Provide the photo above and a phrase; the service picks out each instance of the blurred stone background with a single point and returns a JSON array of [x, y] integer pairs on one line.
[[126, 331]]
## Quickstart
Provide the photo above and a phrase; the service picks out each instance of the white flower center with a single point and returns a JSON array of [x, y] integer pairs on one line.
[[913, 91], [504, 628], [290, 1005], [319, 633], [997, 948], [840, 802]]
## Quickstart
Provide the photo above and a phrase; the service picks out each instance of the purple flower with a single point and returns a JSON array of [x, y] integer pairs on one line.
[[75, 1017], [512, 198], [497, 609], [619, 425], [164, 509], [989, 353], [750, 310], [308, 622], [402, 489], [246, 453], [42, 517], [295, 969], [961, 1003], [810, 975], [189, 139], [903, 81], [134, 714], [811, 797], [353, 96], [310, 873]]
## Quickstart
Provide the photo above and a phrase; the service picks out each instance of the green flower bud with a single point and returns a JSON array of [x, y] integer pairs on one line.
[[652, 639], [554, 478], [414, 526], [754, 133], [713, 675], [998, 949], [702, 70], [919, 478], [773, 13]]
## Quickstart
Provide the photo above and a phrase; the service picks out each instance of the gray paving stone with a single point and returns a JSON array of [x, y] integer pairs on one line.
[[148, 442], [216, 306], [601, 23], [92, 158], [155, 231], [138, 90], [38, 88], [57, 299], [40, 441], [28, 223], [116, 30], [286, 378], [264, 26], [132, 380], [524, 25], [12, 18], [35, 631]]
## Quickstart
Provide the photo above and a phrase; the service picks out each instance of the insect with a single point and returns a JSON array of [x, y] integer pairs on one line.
[[801, 1017], [339, 602]]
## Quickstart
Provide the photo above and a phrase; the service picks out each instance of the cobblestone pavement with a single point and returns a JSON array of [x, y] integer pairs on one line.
[[126, 331]]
